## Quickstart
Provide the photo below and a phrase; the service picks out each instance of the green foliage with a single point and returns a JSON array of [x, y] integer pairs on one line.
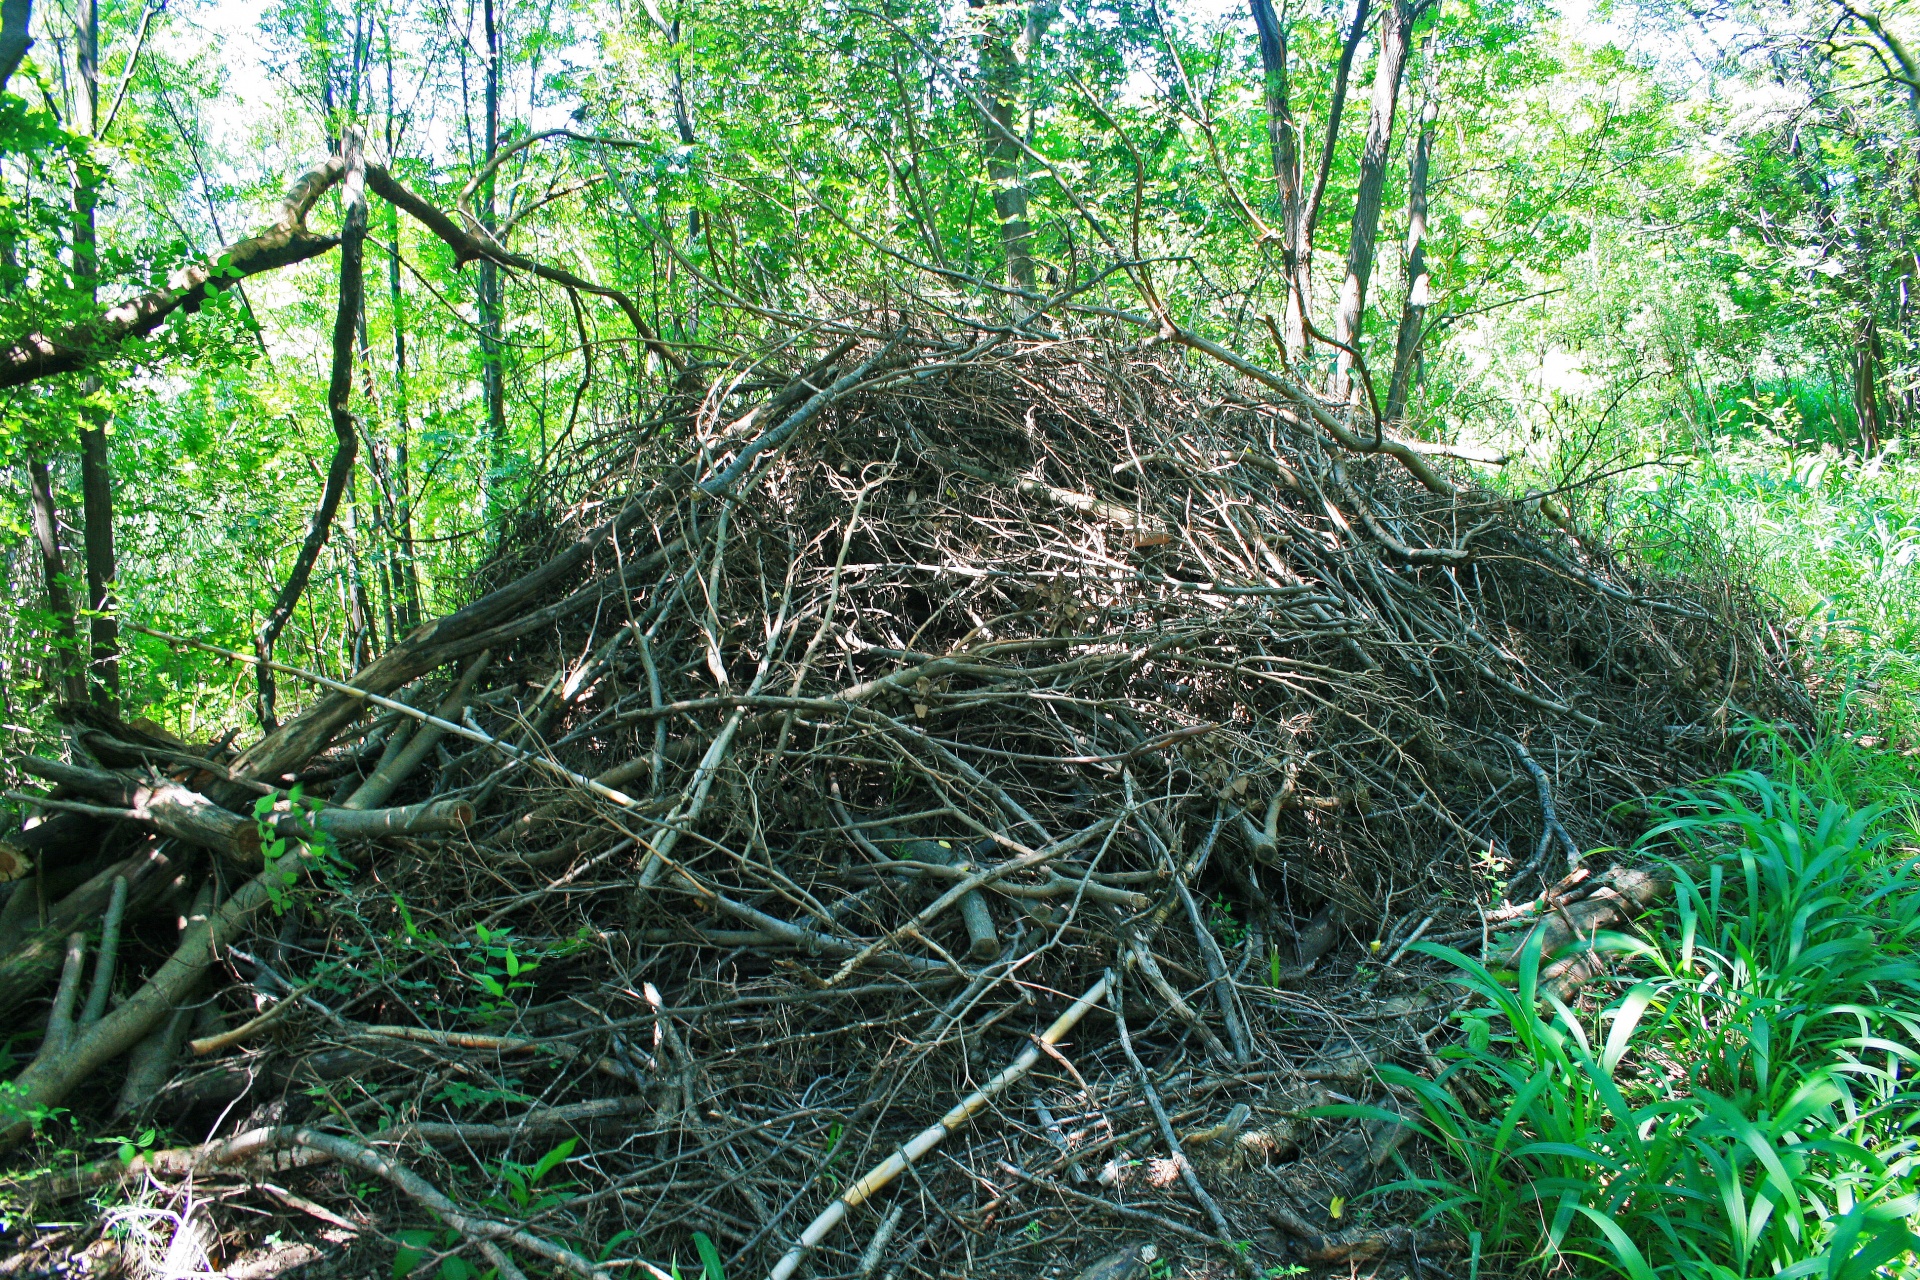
[[1743, 1108], [286, 856], [522, 1182], [127, 1148], [502, 971], [709, 1256], [414, 1247], [1833, 538]]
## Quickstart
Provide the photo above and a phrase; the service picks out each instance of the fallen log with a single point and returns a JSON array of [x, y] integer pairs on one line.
[[187, 815], [48, 1082], [1610, 900], [169, 807], [1360, 1244], [31, 964]]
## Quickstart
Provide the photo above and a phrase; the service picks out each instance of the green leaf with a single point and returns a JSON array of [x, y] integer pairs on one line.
[[414, 1246], [709, 1256], [620, 1238], [549, 1161]]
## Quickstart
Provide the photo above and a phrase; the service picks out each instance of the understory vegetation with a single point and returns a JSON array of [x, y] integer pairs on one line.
[[1743, 1103]]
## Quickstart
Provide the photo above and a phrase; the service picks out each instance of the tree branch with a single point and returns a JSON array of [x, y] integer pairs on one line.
[[474, 242], [353, 237], [41, 355]]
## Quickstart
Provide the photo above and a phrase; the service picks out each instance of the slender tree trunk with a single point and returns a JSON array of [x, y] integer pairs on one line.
[[1396, 25], [96, 471], [360, 635], [1283, 146], [1866, 387], [405, 571], [683, 120], [491, 319], [353, 235], [1003, 58], [1300, 290], [46, 532], [1413, 315]]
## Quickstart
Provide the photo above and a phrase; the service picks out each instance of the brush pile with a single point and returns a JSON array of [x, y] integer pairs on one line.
[[825, 738]]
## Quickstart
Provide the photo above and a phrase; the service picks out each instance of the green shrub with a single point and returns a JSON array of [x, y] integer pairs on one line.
[[1744, 1107]]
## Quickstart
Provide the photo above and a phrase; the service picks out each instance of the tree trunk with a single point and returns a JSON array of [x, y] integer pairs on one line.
[[492, 321], [1300, 289], [683, 121], [46, 531], [1866, 387], [16, 21], [1396, 24], [360, 630], [96, 474], [406, 574], [353, 234], [1283, 146], [1413, 316], [1003, 58]]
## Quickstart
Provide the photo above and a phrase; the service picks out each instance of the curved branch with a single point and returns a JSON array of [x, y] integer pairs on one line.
[[41, 355], [353, 237], [474, 242], [502, 156]]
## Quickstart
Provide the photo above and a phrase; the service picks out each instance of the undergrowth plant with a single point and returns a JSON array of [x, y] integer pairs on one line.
[[1744, 1105]]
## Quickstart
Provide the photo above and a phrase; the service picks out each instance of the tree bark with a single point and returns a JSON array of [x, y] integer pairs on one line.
[[353, 234], [1283, 146], [16, 22], [492, 321], [1003, 58], [96, 473], [402, 567], [1300, 291], [46, 532], [1413, 315], [1396, 26]]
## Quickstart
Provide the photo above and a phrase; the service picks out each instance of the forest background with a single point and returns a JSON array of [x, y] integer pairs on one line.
[[1666, 272]]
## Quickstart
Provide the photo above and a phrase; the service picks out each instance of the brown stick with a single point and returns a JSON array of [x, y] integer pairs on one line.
[[187, 815], [1224, 1233], [50, 1081], [353, 236], [26, 969], [394, 770], [470, 246], [176, 810]]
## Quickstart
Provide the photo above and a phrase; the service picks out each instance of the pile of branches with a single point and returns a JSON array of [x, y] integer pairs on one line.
[[954, 807]]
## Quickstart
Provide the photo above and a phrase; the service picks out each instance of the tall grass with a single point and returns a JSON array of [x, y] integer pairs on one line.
[[1742, 1105], [1833, 538]]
